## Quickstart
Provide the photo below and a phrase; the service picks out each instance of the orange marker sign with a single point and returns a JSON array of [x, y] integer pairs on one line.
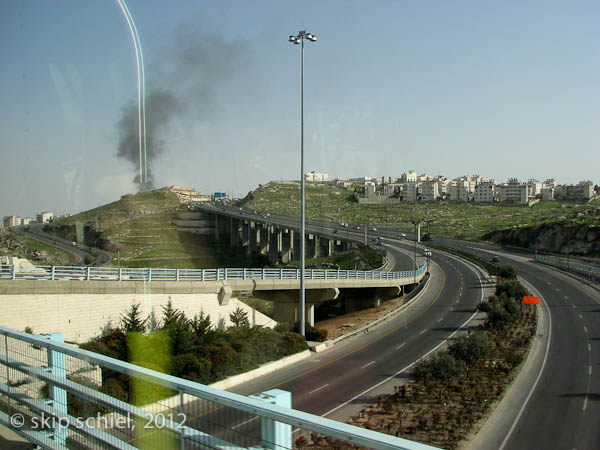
[[531, 300]]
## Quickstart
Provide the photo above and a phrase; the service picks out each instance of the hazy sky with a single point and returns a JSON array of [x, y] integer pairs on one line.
[[503, 89]]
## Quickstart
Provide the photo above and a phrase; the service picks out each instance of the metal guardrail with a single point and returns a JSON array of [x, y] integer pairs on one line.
[[10, 272], [59, 397], [587, 270]]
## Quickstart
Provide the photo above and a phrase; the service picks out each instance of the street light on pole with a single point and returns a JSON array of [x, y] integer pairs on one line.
[[299, 40], [415, 223], [428, 222]]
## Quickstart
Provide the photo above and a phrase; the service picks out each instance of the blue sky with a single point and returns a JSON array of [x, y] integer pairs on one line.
[[465, 87]]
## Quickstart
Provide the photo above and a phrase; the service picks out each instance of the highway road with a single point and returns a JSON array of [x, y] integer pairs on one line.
[[80, 252], [559, 411], [336, 382], [564, 408]]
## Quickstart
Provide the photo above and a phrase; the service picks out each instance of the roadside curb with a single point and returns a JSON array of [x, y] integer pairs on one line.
[[265, 369]]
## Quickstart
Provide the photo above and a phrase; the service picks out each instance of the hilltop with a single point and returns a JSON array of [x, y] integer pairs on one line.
[[138, 228]]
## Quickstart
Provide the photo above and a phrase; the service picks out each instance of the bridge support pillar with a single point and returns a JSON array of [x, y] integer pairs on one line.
[[217, 229], [419, 232], [290, 312], [252, 238], [234, 232], [287, 245], [296, 247], [263, 239], [274, 243], [245, 233], [330, 246]]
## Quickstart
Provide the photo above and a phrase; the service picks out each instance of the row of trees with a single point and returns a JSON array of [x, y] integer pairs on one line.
[[193, 349]]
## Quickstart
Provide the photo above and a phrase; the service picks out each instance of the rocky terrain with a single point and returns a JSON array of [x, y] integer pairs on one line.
[[575, 239]]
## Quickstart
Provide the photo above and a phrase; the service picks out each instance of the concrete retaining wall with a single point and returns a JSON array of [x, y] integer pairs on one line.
[[83, 316]]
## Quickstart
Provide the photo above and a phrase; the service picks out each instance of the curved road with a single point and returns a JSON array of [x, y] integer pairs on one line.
[[80, 252], [564, 407]]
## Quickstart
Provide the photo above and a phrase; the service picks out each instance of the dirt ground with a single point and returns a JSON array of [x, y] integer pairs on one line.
[[337, 326]]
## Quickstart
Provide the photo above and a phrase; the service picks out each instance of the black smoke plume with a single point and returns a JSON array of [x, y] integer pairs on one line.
[[184, 87]]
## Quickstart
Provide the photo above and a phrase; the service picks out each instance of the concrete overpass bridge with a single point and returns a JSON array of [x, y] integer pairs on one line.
[[80, 301], [275, 236]]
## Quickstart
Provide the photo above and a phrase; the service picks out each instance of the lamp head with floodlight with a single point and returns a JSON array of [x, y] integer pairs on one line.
[[301, 36]]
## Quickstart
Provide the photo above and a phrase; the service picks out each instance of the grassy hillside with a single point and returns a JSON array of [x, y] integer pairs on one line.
[[141, 227], [454, 219]]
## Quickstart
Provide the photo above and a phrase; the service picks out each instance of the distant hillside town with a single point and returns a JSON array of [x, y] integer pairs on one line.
[[15, 221], [410, 187]]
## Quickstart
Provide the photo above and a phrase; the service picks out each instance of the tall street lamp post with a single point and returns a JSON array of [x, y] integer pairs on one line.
[[428, 222], [415, 223], [299, 40]]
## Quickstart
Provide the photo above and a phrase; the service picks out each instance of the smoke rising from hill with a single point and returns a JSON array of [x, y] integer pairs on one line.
[[184, 87]]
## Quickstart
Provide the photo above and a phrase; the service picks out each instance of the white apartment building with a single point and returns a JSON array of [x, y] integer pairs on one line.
[[44, 217], [547, 194], [409, 177], [12, 221], [513, 192], [409, 192], [485, 192], [27, 220], [313, 176], [535, 187], [370, 190], [429, 191], [391, 188]]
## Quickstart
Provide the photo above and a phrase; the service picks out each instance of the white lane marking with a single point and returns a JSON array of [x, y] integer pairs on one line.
[[590, 371], [245, 422], [557, 289], [451, 309], [589, 347], [584, 403], [441, 319], [537, 379], [585, 329], [456, 301], [566, 297], [573, 305], [400, 346], [580, 316], [424, 331], [368, 364], [319, 388], [414, 362]]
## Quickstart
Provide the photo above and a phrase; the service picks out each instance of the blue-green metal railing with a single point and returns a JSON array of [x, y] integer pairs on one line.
[[11, 272], [59, 396]]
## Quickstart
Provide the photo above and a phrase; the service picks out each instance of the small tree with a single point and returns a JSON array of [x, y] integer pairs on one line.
[[442, 367], [239, 318], [152, 323], [470, 349], [132, 321], [201, 327], [170, 314], [507, 271]]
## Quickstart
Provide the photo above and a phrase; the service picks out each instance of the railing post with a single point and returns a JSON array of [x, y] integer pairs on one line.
[[181, 428], [202, 274], [120, 273], [57, 396], [263, 273], [87, 275], [176, 274], [149, 274], [244, 276], [275, 435], [53, 271], [14, 272]]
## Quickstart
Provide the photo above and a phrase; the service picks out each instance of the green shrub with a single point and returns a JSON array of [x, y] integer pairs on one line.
[[292, 343]]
